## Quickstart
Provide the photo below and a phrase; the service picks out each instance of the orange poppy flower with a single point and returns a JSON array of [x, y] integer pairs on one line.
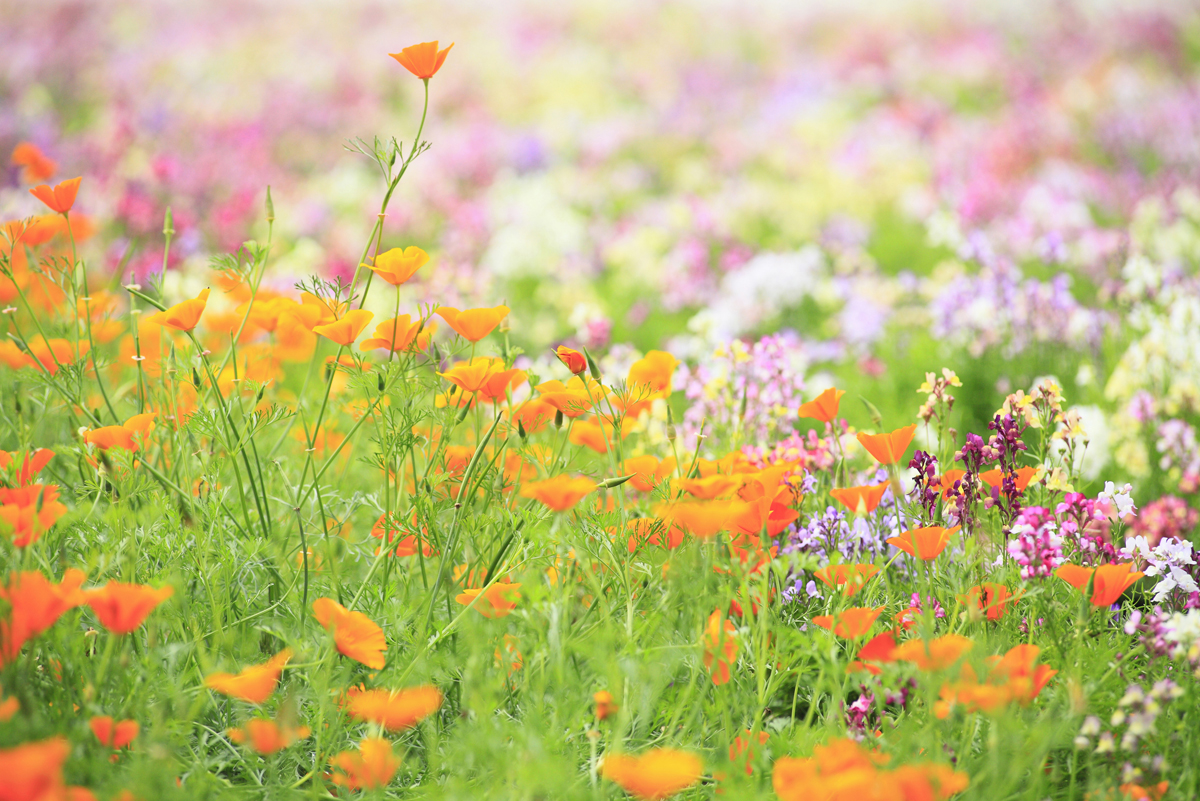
[[559, 493], [860, 500], [48, 355], [37, 166], [720, 647], [422, 60], [1017, 669], [851, 623], [255, 683], [851, 578], [31, 463], [924, 543], [947, 479], [34, 605], [395, 710], [990, 598], [122, 608], [651, 531], [183, 316], [703, 519], [995, 478], [575, 361], [711, 487], [888, 448], [473, 324], [111, 437], [8, 708], [654, 371], [371, 767], [499, 599], [61, 198], [534, 415], [570, 399], [824, 407], [648, 471], [744, 745], [604, 704], [507, 654], [880, 648], [936, 654], [399, 334], [355, 635], [114, 734], [33, 771], [398, 264], [347, 329], [1136, 792], [266, 736], [26, 513], [655, 774], [1108, 581]]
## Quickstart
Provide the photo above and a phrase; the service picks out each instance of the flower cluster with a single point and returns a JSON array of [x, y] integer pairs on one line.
[[1036, 545]]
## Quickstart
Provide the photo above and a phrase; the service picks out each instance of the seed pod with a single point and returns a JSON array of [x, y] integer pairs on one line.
[[379, 382], [195, 378], [521, 429], [876, 417], [609, 483], [258, 398], [593, 368], [558, 419]]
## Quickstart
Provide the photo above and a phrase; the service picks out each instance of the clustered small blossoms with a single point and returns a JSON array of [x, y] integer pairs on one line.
[[967, 491], [1037, 545], [1039, 408], [813, 452], [939, 402], [1183, 634], [927, 488], [1167, 517], [1152, 631], [1137, 712], [869, 711], [1171, 559], [1180, 451], [1084, 524], [1005, 443]]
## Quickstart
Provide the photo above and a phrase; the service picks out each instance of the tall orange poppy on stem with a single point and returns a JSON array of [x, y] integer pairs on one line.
[[122, 608], [398, 264], [824, 407], [720, 647], [422, 60], [1108, 581], [925, 543], [851, 623], [354, 634], [255, 683], [499, 599], [347, 329], [395, 710], [115, 734], [654, 775], [888, 448], [267, 736], [850, 578], [936, 654], [473, 324], [860, 500], [61, 198], [183, 316], [371, 767], [559, 493]]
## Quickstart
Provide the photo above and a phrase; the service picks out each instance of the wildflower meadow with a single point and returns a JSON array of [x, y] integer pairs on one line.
[[599, 400]]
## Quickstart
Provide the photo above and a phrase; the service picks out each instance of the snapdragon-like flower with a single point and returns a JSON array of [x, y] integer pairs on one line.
[[1167, 560], [1037, 546]]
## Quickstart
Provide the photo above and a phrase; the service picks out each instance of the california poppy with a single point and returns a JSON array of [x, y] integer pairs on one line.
[[880, 648], [654, 371], [575, 361], [476, 374], [1024, 475], [49, 354], [990, 598], [473, 324], [948, 479], [709, 488], [849, 577], [33, 771], [860, 500], [345, 330], [824, 407], [34, 605], [655, 774], [114, 734], [559, 493], [255, 683], [533, 415], [888, 448], [648, 471], [183, 316], [26, 513], [8, 707], [267, 736], [37, 166], [399, 334], [1108, 581], [851, 623], [31, 463], [720, 647], [499, 599], [371, 767], [1017, 667], [573, 399], [354, 634], [399, 264], [936, 654], [422, 60], [110, 437], [604, 704], [395, 710], [744, 745], [924, 543], [703, 519], [122, 608], [59, 199]]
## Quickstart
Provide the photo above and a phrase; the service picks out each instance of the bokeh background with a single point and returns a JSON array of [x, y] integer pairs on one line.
[[852, 191]]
